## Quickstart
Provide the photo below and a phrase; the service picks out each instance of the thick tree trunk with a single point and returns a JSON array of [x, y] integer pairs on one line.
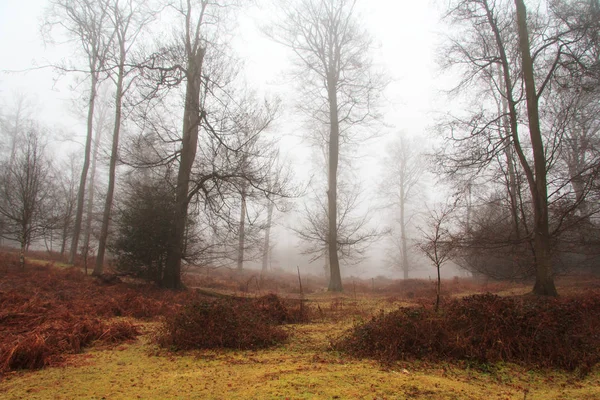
[[242, 231], [267, 246], [84, 170], [335, 279], [99, 266], [544, 284], [191, 125]]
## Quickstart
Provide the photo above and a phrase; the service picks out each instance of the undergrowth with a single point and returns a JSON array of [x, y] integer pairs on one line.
[[231, 323], [46, 313], [559, 333]]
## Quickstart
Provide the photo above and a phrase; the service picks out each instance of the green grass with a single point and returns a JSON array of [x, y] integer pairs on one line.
[[303, 368]]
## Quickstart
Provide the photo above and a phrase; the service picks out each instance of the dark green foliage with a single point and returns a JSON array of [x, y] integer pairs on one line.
[[144, 226], [230, 323], [555, 333]]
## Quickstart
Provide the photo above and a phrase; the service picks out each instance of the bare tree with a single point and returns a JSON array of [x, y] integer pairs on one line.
[[501, 47], [354, 233], [202, 20], [403, 171], [85, 22], [25, 190], [101, 121], [13, 125], [338, 83], [273, 181], [437, 243], [128, 19], [67, 193]]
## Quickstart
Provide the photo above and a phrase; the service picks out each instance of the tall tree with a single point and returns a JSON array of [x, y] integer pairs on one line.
[[338, 84], [544, 280], [501, 47], [203, 22], [85, 22], [403, 172], [128, 19], [101, 124]]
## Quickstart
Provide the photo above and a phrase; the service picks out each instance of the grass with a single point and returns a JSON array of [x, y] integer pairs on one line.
[[301, 369], [304, 367]]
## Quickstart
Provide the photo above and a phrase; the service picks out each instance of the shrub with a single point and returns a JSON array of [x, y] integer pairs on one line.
[[554, 333], [47, 343], [230, 323], [47, 312]]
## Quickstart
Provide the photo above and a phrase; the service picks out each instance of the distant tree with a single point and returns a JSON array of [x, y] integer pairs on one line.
[[25, 191], [66, 200], [354, 232], [338, 83], [403, 169]]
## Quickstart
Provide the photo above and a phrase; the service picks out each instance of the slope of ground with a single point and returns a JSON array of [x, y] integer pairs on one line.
[[303, 367]]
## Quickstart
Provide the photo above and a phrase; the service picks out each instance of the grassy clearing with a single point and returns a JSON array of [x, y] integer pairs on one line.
[[300, 369], [304, 367]]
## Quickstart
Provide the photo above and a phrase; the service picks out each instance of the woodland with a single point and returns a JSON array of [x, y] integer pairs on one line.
[[141, 263]]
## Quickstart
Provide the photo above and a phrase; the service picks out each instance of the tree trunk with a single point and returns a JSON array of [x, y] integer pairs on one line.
[[438, 287], [191, 125], [22, 248], [576, 164], [335, 279], [99, 267], [242, 231], [510, 166], [63, 242], [403, 244], [544, 284], [84, 170], [267, 246], [92, 190], [536, 177]]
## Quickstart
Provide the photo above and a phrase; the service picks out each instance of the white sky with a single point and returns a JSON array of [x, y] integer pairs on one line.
[[405, 33]]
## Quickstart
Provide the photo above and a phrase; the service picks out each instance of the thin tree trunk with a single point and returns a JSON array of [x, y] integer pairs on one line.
[[23, 248], [335, 279], [544, 283], [403, 244], [267, 246], [510, 166], [63, 243], [84, 170], [191, 124], [438, 288], [92, 189], [99, 267], [242, 231]]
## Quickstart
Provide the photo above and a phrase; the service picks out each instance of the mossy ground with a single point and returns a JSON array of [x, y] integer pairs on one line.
[[303, 368]]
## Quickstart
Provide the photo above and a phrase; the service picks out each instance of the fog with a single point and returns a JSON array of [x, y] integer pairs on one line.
[[408, 152]]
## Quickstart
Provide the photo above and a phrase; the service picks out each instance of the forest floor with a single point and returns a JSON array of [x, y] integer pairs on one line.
[[304, 367]]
